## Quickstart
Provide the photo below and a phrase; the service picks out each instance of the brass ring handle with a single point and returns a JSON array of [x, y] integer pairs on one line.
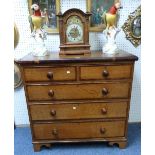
[[104, 110], [102, 130], [105, 91], [53, 112], [105, 73], [50, 75], [51, 93], [55, 132]]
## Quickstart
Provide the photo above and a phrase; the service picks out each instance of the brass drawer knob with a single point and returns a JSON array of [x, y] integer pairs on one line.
[[105, 91], [104, 110], [102, 130], [55, 132], [51, 93], [50, 75], [105, 73], [53, 112]]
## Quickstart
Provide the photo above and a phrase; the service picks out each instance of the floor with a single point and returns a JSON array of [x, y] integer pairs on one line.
[[23, 145]]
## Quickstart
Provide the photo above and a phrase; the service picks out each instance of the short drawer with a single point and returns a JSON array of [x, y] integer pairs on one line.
[[78, 111], [49, 74], [105, 72], [78, 91], [79, 130]]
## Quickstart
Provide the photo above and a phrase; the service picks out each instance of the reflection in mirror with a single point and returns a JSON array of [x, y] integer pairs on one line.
[[17, 76], [136, 27]]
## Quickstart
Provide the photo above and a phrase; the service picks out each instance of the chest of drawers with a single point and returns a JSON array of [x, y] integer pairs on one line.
[[78, 98]]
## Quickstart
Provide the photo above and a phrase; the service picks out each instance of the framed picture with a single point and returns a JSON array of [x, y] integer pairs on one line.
[[98, 8], [49, 10], [132, 27]]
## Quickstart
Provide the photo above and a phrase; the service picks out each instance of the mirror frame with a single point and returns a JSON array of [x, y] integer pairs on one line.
[[16, 36], [17, 70], [127, 27]]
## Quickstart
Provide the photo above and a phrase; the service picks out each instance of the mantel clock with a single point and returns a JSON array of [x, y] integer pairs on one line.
[[74, 32]]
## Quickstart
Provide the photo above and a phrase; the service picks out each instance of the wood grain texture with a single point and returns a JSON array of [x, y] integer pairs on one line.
[[78, 111], [105, 72], [79, 130], [78, 91], [57, 74], [74, 47], [121, 144], [37, 146], [95, 56], [91, 102]]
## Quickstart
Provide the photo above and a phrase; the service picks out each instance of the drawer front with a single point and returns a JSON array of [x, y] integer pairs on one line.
[[78, 91], [79, 130], [78, 111], [105, 72], [50, 74]]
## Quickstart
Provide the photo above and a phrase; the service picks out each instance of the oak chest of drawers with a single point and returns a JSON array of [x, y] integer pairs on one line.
[[78, 98]]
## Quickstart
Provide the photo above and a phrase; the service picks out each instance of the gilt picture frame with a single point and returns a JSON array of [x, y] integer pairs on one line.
[[49, 10], [98, 8], [132, 27]]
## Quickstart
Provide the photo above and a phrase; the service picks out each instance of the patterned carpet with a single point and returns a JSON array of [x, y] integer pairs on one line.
[[23, 145]]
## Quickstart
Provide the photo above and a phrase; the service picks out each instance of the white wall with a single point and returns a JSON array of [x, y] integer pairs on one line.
[[96, 42]]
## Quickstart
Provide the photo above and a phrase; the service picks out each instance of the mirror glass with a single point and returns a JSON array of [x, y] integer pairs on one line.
[[136, 27], [17, 76]]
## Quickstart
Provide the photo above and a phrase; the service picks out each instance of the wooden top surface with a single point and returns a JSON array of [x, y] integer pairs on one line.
[[95, 56]]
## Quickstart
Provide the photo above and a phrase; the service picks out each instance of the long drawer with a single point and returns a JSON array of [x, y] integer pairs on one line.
[[78, 130], [49, 74], [105, 72], [78, 91], [78, 111]]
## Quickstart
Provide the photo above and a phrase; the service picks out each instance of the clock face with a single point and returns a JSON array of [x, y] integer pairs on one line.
[[74, 30]]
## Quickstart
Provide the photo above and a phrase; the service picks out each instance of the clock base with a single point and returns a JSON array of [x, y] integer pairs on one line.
[[83, 52], [74, 50]]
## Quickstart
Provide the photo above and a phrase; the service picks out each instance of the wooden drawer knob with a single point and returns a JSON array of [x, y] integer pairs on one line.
[[50, 75], [55, 132], [51, 93], [105, 73], [105, 91], [104, 110], [102, 130], [53, 112]]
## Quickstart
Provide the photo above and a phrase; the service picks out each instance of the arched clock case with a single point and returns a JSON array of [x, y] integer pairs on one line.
[[74, 32]]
